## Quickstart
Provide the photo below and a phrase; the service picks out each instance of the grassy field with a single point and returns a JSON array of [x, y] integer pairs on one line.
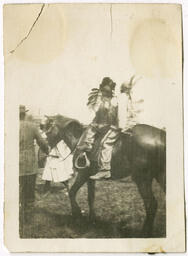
[[119, 209]]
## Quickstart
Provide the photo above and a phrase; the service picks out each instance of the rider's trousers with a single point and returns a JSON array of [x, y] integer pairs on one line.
[[106, 148], [107, 144]]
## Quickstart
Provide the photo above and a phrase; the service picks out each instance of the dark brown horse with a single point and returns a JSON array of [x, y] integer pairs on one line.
[[141, 156]]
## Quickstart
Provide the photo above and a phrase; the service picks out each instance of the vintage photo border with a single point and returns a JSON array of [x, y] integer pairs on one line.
[[79, 245]]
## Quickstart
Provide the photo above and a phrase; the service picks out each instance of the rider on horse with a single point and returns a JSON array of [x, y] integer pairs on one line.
[[103, 102], [109, 120]]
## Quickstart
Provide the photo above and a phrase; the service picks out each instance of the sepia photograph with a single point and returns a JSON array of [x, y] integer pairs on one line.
[[93, 127]]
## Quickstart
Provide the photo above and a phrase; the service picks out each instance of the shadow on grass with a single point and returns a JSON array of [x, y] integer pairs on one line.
[[40, 223]]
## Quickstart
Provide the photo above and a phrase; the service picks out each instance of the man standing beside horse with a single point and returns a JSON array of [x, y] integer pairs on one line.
[[28, 134]]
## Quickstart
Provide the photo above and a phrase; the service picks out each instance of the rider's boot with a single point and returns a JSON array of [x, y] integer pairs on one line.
[[103, 174]]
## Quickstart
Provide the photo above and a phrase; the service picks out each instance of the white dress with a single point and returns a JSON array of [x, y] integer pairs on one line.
[[58, 166]]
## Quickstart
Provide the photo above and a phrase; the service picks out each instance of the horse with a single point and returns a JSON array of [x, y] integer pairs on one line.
[[141, 155]]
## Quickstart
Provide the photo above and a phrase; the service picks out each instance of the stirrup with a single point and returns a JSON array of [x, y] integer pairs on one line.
[[82, 157]]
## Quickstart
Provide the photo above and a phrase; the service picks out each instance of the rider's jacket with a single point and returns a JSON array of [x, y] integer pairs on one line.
[[106, 112]]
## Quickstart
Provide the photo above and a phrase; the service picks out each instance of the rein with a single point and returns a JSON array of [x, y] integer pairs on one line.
[[72, 151]]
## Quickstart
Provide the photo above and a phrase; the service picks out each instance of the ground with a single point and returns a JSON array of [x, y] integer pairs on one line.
[[119, 209]]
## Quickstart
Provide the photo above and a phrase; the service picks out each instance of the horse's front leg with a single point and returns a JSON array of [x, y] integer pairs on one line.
[[91, 199], [81, 178]]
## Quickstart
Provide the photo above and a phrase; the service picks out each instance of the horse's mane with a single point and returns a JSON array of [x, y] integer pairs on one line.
[[63, 121], [68, 124]]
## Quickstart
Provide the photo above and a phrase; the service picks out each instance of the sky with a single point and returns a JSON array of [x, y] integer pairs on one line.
[[71, 47]]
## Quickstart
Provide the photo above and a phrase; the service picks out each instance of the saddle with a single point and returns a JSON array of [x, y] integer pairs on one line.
[[94, 154], [83, 159]]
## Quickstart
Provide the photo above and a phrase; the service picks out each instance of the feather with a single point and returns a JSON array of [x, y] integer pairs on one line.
[[91, 102], [131, 80], [93, 93], [92, 97]]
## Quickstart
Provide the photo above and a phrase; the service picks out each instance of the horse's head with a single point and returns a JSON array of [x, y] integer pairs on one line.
[[62, 128], [52, 131]]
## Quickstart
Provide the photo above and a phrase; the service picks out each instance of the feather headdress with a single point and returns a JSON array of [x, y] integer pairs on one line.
[[128, 85], [93, 97]]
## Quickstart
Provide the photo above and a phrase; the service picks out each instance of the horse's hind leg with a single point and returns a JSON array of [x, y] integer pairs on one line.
[[144, 184], [161, 179], [91, 198], [81, 178]]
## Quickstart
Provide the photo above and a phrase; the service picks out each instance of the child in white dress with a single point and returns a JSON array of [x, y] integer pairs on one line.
[[59, 166]]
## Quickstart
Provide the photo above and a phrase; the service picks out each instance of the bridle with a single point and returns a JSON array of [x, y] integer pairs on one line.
[[54, 156]]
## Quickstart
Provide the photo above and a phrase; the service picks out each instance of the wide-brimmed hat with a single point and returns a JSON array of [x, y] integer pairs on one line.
[[23, 109], [107, 81]]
